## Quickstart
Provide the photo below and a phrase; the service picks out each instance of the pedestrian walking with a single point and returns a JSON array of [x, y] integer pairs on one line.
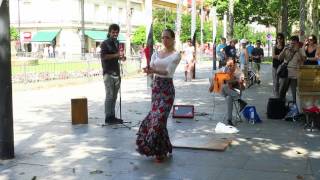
[[230, 51], [152, 137], [244, 58], [189, 58], [257, 55], [219, 50], [110, 56]]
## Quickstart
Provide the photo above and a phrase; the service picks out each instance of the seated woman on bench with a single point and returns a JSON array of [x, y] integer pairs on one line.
[[231, 88]]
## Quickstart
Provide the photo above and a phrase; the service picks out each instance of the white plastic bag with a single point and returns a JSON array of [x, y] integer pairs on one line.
[[222, 128]]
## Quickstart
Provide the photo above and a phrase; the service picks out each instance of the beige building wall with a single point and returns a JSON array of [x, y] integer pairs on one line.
[[38, 15]]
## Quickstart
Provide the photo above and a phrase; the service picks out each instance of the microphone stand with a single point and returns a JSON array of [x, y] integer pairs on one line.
[[120, 99]]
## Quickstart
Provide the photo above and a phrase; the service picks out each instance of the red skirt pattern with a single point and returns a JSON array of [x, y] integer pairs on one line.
[[152, 137]]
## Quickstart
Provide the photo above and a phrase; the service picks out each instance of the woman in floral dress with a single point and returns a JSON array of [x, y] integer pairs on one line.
[[152, 137]]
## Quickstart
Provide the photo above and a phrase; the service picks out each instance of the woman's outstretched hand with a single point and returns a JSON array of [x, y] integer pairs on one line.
[[148, 70]]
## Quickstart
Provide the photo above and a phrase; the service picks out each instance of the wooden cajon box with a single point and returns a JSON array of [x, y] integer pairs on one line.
[[308, 93], [79, 110]]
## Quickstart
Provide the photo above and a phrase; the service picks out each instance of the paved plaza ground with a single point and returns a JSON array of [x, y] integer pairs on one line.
[[47, 146]]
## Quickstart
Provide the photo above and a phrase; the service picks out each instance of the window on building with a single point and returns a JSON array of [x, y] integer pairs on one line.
[[27, 2], [109, 14], [120, 16], [96, 7], [131, 11], [96, 11]]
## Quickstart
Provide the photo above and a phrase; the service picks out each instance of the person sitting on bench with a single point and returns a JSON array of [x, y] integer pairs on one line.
[[231, 89]]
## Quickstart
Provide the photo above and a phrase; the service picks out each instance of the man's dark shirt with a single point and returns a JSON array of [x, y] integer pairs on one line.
[[257, 52], [110, 66], [230, 51]]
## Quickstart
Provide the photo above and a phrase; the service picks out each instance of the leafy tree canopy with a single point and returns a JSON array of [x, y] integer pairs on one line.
[[14, 34]]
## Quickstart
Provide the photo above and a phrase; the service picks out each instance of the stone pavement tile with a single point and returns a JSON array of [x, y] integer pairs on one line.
[[256, 144], [208, 158], [5, 164], [242, 174], [277, 163], [315, 165], [146, 168], [141, 177], [25, 172]]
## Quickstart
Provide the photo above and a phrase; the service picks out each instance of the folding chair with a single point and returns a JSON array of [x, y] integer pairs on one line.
[[216, 83]]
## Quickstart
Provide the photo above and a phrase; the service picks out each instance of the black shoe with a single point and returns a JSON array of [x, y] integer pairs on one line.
[[230, 123], [242, 104], [118, 120], [109, 120]]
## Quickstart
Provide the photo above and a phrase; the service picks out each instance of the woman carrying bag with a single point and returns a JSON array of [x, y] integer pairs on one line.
[[293, 56]]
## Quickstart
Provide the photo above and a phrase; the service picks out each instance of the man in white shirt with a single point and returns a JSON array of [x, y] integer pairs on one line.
[[232, 88]]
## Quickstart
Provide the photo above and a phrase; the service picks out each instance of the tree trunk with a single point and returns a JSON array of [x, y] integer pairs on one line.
[[313, 17], [6, 114], [284, 17], [128, 28], [302, 11], [231, 20], [83, 41]]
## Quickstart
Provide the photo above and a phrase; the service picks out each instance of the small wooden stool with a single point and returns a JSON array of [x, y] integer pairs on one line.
[[79, 110]]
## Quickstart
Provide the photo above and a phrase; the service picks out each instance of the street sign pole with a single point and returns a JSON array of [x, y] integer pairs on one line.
[[6, 115]]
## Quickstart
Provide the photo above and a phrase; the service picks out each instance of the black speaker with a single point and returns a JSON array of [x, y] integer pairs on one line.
[[276, 108]]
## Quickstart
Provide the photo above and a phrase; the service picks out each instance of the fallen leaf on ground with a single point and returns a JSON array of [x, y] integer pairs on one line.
[[300, 177], [135, 167], [96, 172], [201, 114], [298, 152]]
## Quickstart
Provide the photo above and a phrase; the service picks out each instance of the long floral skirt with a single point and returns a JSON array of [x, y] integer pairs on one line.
[[152, 137]]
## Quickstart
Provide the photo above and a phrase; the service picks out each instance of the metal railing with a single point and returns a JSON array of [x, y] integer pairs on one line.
[[29, 69]]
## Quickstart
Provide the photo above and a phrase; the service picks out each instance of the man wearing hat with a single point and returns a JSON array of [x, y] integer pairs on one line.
[[257, 55]]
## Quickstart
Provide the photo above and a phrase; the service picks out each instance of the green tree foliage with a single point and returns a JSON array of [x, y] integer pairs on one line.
[[266, 12], [139, 36], [166, 19], [246, 11], [14, 34]]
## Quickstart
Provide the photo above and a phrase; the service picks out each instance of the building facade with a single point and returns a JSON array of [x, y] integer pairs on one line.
[[57, 23]]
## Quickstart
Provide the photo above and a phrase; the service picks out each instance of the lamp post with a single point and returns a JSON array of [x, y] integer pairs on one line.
[[82, 31], [19, 27], [6, 115]]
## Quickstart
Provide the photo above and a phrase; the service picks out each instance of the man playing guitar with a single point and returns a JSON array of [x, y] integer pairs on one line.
[[232, 86]]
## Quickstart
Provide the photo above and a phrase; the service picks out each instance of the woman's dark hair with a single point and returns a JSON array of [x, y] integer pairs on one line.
[[314, 38], [280, 35], [170, 32]]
